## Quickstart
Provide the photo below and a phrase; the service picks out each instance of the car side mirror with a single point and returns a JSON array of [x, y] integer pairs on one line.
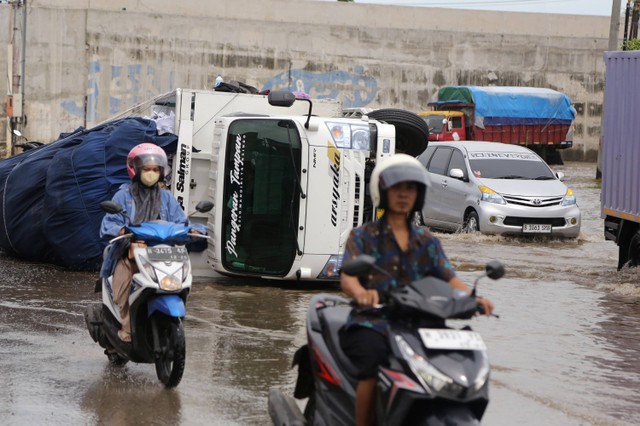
[[560, 176], [456, 174]]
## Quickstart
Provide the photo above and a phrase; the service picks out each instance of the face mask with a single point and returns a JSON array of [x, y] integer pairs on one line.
[[149, 178]]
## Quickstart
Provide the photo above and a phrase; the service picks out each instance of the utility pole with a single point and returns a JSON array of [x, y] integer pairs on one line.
[[15, 75], [614, 28]]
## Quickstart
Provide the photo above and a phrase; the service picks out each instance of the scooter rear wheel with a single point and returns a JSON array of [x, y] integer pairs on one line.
[[171, 359]]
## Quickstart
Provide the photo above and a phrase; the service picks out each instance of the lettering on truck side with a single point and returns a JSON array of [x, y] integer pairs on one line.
[[183, 170], [335, 194]]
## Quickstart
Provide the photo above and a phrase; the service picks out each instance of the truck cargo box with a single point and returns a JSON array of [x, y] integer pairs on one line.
[[515, 115]]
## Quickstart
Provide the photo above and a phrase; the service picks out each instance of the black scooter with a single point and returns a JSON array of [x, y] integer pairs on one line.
[[437, 375]]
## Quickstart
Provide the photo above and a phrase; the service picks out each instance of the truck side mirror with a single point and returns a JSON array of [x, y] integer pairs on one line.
[[281, 98]]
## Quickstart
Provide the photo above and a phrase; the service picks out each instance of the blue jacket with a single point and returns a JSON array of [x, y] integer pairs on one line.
[[170, 211]]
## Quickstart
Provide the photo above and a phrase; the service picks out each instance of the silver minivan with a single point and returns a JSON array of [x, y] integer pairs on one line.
[[496, 188]]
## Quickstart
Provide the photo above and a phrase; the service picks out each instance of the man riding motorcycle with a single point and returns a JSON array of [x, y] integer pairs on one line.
[[407, 252]]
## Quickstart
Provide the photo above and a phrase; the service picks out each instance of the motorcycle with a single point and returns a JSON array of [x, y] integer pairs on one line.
[[157, 302], [437, 375]]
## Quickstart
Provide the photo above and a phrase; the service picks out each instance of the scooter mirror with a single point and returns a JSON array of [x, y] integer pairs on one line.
[[495, 269], [111, 207], [204, 206], [359, 266]]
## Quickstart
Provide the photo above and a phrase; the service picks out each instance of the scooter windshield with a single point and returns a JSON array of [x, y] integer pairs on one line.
[[161, 232]]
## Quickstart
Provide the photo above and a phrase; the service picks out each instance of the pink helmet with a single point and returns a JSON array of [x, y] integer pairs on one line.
[[146, 154]]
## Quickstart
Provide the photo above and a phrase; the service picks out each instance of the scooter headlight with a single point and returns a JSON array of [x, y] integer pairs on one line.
[[427, 374], [170, 283]]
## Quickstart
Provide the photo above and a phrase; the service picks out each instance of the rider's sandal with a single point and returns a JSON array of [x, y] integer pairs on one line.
[[124, 336]]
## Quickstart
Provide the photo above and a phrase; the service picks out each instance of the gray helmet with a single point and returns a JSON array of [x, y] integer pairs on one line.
[[395, 169]]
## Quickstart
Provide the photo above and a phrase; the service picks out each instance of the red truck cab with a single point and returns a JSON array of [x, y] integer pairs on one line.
[[445, 125]]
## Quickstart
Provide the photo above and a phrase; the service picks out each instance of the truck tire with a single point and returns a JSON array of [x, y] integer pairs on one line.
[[412, 132], [634, 250]]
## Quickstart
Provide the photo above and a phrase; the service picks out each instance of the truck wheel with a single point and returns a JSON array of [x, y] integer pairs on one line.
[[634, 250], [412, 132]]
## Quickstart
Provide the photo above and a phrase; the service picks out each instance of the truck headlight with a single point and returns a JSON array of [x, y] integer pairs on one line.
[[331, 270], [352, 136], [491, 196], [569, 198]]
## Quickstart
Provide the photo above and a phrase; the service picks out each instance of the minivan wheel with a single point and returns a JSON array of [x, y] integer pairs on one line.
[[471, 222]]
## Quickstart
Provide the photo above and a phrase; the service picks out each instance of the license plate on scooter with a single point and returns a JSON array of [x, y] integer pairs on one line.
[[452, 339], [167, 254]]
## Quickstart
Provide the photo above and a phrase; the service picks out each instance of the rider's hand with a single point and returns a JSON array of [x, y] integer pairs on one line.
[[367, 298], [121, 232], [487, 305]]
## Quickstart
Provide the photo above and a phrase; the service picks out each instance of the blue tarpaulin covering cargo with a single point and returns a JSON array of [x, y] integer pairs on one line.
[[51, 195], [502, 105]]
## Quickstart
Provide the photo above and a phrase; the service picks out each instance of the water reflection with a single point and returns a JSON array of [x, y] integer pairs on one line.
[[120, 397]]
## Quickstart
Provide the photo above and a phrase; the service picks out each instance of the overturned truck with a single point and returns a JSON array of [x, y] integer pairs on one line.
[[287, 185]]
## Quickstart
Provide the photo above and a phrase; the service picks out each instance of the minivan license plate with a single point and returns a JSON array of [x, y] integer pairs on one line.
[[451, 339], [537, 229]]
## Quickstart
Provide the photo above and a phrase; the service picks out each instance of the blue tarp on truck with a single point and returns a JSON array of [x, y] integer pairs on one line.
[[51, 195], [505, 105]]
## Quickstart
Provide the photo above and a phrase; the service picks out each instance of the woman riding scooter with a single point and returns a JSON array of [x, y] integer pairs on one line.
[[142, 200], [398, 185]]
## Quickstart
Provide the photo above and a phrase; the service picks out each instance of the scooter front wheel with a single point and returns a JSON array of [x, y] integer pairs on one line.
[[170, 359]]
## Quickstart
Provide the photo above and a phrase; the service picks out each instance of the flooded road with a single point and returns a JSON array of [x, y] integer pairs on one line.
[[564, 351]]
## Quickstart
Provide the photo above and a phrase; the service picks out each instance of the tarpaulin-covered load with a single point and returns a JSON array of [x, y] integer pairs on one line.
[[524, 115], [50, 195]]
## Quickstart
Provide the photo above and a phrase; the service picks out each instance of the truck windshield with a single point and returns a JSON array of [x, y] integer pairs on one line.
[[435, 122], [261, 189]]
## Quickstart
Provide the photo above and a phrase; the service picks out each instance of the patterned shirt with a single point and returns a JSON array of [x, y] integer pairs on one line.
[[424, 257]]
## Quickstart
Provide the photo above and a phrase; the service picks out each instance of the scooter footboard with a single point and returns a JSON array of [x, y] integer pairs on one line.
[[169, 304]]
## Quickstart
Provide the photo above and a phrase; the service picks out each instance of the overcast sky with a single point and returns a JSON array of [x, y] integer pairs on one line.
[[575, 7]]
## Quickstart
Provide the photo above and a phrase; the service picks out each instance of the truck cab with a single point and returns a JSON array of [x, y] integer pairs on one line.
[[445, 125], [288, 186]]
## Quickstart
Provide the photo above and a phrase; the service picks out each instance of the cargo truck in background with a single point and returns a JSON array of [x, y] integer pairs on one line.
[[287, 185], [620, 155], [540, 119]]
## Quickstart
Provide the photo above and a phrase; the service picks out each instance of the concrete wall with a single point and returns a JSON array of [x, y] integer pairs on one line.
[[87, 60]]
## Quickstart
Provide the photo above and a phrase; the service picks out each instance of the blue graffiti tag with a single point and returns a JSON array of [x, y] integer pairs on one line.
[[353, 89]]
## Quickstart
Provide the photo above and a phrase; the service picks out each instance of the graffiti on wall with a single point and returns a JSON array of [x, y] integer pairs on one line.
[[353, 89], [128, 85]]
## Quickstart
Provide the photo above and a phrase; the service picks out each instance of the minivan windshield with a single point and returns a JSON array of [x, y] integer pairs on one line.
[[509, 165]]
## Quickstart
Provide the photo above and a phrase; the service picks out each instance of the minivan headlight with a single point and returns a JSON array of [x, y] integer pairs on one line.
[[569, 198], [491, 196]]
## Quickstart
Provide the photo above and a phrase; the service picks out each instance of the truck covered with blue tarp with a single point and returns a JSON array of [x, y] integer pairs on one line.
[[50, 195], [539, 118]]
